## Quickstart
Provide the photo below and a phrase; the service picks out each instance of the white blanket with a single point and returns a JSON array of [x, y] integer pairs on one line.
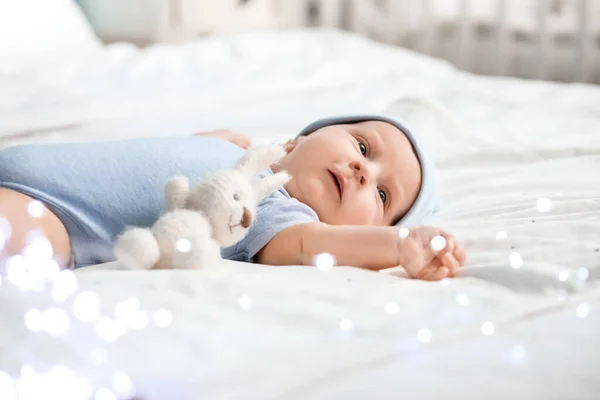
[[257, 332]]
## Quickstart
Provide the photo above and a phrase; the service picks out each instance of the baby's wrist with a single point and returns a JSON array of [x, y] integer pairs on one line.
[[401, 236], [406, 249]]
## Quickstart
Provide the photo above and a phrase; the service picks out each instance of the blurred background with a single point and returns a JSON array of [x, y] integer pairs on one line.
[[539, 39]]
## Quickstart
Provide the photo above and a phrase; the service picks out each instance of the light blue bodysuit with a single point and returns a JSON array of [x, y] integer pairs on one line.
[[98, 189]]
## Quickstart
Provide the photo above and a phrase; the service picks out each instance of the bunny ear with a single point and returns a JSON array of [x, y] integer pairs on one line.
[[260, 158], [177, 191], [268, 184]]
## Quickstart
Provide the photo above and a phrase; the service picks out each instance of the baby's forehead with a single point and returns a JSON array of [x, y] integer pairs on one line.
[[390, 135]]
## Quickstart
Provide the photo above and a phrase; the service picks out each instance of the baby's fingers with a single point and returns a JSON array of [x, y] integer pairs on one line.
[[450, 244], [461, 255], [449, 261], [437, 274]]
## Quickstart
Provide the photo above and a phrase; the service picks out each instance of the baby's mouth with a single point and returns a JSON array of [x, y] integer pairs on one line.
[[338, 184]]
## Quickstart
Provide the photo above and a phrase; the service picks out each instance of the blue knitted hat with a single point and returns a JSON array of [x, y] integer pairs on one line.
[[425, 204]]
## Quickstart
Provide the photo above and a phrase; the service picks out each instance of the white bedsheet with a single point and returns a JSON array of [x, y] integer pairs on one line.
[[255, 332]]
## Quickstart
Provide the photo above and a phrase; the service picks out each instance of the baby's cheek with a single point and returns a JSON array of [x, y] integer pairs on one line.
[[308, 189], [328, 148], [361, 210]]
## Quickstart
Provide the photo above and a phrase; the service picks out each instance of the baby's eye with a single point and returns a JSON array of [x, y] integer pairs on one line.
[[363, 148], [382, 195]]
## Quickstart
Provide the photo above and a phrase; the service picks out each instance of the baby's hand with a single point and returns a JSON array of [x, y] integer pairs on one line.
[[429, 253], [239, 139]]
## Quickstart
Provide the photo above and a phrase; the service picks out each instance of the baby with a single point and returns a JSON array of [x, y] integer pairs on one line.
[[355, 180]]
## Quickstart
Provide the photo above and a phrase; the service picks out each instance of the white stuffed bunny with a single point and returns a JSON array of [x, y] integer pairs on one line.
[[216, 213]]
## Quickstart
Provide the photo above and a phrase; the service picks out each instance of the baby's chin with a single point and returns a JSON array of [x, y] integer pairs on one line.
[[349, 214], [314, 197], [327, 211]]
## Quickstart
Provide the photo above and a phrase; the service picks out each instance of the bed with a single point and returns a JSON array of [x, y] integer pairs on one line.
[[519, 179]]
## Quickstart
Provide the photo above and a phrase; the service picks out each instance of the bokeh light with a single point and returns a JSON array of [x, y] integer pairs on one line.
[[583, 274], [324, 261], [563, 276], [109, 330], [487, 328], [515, 260], [5, 229], [64, 285], [517, 355], [55, 321], [245, 302], [104, 394], [98, 355], [39, 248], [183, 246], [34, 320], [86, 306], [424, 335], [162, 318], [8, 389], [582, 310], [392, 308], [403, 233], [438, 243], [16, 272], [544, 205], [125, 309], [122, 385], [35, 208], [463, 299], [346, 325]]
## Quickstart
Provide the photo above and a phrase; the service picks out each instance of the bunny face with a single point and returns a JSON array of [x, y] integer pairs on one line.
[[230, 198]]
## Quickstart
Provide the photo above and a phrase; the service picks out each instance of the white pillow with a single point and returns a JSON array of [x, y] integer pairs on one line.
[[33, 30]]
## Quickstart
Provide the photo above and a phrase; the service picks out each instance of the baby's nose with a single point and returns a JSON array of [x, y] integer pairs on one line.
[[361, 172], [246, 218]]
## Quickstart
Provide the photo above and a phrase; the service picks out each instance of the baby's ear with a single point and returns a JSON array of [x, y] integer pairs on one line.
[[264, 187], [291, 144], [260, 158]]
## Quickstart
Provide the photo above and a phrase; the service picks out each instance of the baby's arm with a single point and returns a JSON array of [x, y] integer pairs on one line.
[[371, 247], [360, 246]]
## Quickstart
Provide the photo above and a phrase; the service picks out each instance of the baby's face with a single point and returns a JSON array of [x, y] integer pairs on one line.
[[358, 174]]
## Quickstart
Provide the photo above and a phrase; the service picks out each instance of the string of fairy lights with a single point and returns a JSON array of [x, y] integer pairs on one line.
[[35, 271]]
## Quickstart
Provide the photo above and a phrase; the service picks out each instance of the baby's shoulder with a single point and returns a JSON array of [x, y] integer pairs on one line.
[[279, 205]]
